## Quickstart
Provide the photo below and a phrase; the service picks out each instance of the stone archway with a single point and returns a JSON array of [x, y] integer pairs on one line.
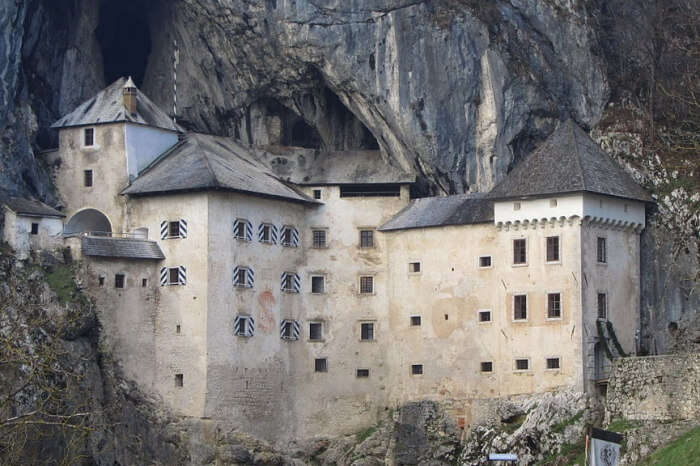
[[88, 221]]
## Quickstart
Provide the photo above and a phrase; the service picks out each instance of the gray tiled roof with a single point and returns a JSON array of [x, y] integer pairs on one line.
[[459, 209], [349, 167], [203, 162], [108, 107], [123, 248], [31, 207], [568, 161]]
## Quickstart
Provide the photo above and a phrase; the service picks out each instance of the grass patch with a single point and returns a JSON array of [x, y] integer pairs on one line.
[[62, 283], [570, 454], [514, 423], [622, 425], [365, 434], [559, 427], [685, 450]]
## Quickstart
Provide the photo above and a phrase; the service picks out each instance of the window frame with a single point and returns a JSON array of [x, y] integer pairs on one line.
[[315, 230], [481, 367], [600, 293], [546, 250], [365, 373], [478, 261], [373, 327], [93, 135], [414, 367], [88, 178], [527, 308], [323, 369], [323, 278], [172, 270], [34, 228], [420, 267], [123, 280], [242, 223], [244, 269], [359, 285], [561, 305], [515, 364], [246, 326], [411, 322], [519, 264], [482, 311], [371, 236], [266, 227], [552, 369], [316, 193], [605, 250], [322, 331], [170, 229]]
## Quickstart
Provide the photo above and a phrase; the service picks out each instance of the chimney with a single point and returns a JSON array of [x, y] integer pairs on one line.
[[130, 92]]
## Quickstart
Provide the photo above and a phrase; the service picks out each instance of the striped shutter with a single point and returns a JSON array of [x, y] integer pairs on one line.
[[240, 325], [296, 329], [273, 234], [248, 231], [163, 229], [261, 227], [297, 283], [251, 326], [249, 278], [295, 237], [235, 227], [182, 275], [163, 276], [283, 279], [183, 228], [236, 269]]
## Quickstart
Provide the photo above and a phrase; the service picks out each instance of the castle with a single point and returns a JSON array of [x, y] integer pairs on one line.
[[298, 293]]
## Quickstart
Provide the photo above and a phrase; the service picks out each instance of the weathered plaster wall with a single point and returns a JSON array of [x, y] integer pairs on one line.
[[662, 388], [17, 233]]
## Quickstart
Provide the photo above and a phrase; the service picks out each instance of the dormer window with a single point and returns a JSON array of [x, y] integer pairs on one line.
[[89, 137]]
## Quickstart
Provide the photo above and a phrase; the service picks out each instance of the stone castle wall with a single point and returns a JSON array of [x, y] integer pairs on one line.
[[655, 388]]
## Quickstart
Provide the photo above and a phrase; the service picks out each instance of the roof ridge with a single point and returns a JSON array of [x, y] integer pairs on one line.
[[208, 164], [164, 155]]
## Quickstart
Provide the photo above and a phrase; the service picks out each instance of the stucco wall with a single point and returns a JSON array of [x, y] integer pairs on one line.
[[18, 228], [658, 388]]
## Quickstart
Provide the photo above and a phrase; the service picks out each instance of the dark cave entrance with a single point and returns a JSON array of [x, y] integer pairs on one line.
[[124, 36]]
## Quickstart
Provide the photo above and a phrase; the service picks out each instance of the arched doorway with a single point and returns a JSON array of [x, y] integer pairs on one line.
[[88, 220]]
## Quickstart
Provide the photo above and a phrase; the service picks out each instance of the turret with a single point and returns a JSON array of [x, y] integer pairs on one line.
[[129, 93]]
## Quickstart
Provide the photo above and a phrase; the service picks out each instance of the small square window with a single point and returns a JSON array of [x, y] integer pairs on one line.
[[35, 229], [484, 316], [144, 282], [89, 137], [119, 280], [487, 366], [367, 285], [516, 206], [173, 229], [87, 178], [602, 251], [366, 238], [602, 306], [414, 267], [320, 365], [519, 251], [520, 307], [173, 276], [101, 280], [553, 249], [415, 321], [361, 373], [367, 331], [319, 238], [315, 331], [178, 329], [179, 380], [552, 203], [239, 229], [553, 305], [552, 363], [484, 261], [317, 194], [417, 369], [318, 284], [522, 364]]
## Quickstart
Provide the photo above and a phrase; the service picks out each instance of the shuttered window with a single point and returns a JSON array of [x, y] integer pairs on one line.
[[243, 277], [242, 229], [170, 229], [267, 233], [290, 329], [289, 236], [173, 276], [290, 282], [244, 326]]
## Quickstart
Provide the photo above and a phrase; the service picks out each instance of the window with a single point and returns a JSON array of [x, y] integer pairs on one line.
[[318, 284], [415, 321], [602, 306], [291, 283], [487, 366], [244, 326], [173, 276], [144, 282], [520, 307], [178, 329], [367, 285], [484, 316], [242, 229], [89, 137], [361, 373], [552, 203], [552, 363], [414, 267], [173, 229], [290, 236], [552, 249], [366, 238], [416, 369], [35, 229], [87, 178], [367, 331], [315, 331], [243, 277], [319, 238], [516, 206], [101, 280], [553, 305], [119, 280], [179, 380], [519, 251], [290, 329], [267, 233], [320, 365], [317, 194], [602, 251], [522, 364], [484, 262], [370, 190]]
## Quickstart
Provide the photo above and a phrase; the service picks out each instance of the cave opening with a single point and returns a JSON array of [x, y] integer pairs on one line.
[[124, 36]]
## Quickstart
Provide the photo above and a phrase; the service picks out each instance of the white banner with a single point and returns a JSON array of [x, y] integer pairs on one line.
[[604, 453]]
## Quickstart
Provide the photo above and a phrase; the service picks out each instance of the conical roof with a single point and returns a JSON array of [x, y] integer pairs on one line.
[[568, 161]]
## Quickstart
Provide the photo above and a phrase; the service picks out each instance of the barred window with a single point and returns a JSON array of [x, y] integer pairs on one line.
[[367, 331], [602, 306], [553, 363], [367, 284], [366, 238], [602, 251], [522, 364], [487, 366], [553, 305], [520, 307], [519, 251], [319, 238], [553, 249]]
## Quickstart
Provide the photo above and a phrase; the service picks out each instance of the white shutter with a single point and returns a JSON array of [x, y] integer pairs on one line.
[[251, 326], [297, 283], [163, 276], [261, 228], [182, 275], [163, 229], [295, 237], [249, 278], [273, 234], [237, 326], [248, 231], [183, 228]]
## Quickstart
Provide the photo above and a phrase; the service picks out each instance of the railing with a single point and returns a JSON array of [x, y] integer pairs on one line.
[[107, 234]]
